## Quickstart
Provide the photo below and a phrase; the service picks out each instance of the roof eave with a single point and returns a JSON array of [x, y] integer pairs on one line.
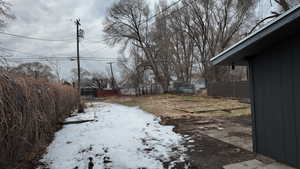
[[238, 53]]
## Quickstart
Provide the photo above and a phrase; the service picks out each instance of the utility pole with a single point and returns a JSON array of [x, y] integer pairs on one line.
[[79, 33], [77, 22], [112, 75]]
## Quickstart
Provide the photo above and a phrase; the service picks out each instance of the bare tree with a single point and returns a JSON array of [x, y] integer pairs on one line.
[[99, 81], [4, 63], [182, 46], [131, 71], [84, 74], [284, 5], [5, 12], [214, 26], [161, 45], [56, 67], [128, 23], [179, 40], [36, 70]]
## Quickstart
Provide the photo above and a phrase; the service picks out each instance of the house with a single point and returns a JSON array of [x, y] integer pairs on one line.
[[273, 57]]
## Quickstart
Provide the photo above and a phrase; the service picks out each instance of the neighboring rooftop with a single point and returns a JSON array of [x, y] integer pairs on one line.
[[285, 25]]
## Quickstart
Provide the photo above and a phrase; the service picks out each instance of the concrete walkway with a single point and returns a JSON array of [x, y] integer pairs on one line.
[[255, 164]]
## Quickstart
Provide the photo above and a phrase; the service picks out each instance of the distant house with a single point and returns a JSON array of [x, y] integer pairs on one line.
[[182, 87], [198, 81], [273, 57]]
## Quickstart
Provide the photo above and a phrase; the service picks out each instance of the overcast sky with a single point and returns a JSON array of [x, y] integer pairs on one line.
[[54, 19]]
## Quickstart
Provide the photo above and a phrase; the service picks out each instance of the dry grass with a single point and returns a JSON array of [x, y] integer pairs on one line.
[[168, 105], [29, 112]]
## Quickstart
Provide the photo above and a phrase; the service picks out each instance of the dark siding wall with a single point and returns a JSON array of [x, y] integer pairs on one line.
[[296, 96], [238, 89], [276, 93]]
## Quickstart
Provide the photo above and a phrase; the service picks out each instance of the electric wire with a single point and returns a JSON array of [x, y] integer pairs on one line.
[[41, 57], [4, 49], [36, 38], [161, 12]]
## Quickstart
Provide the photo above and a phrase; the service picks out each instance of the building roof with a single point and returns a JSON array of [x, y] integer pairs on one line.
[[284, 26]]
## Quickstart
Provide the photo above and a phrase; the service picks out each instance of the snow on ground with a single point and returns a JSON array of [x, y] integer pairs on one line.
[[121, 138]]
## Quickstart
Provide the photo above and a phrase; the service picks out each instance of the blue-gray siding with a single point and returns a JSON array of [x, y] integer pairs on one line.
[[275, 85]]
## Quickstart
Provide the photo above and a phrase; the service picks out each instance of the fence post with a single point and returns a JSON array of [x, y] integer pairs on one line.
[[235, 89]]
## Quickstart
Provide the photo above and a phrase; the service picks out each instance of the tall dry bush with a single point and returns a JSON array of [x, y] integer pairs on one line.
[[29, 113]]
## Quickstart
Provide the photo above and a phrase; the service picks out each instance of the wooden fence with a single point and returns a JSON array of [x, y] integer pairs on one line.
[[229, 89], [147, 90], [98, 92]]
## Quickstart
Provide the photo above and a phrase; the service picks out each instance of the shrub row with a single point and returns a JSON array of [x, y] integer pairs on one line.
[[30, 111]]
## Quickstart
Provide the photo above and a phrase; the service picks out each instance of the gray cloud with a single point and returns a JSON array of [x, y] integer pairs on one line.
[[54, 19]]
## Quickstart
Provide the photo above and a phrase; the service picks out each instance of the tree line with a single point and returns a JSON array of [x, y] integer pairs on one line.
[[47, 72], [179, 40], [175, 44]]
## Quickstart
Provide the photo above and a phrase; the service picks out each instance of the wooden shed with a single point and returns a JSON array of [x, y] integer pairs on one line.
[[273, 57]]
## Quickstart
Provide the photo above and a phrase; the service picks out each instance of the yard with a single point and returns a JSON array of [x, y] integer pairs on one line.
[[155, 132], [220, 128], [174, 106]]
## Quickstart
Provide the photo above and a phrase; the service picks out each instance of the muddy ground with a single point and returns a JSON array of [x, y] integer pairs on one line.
[[219, 129], [206, 152]]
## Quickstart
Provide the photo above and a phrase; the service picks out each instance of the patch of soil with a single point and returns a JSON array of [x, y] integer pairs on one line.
[[239, 134], [203, 151], [244, 120]]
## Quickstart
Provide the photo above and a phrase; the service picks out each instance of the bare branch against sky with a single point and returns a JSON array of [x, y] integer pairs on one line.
[[54, 20]]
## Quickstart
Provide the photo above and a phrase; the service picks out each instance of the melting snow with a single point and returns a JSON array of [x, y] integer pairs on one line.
[[120, 137]]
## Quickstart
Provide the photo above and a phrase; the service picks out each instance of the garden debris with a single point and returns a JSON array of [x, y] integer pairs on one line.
[[76, 122], [205, 122], [212, 110]]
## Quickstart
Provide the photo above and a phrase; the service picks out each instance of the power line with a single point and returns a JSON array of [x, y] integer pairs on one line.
[[71, 57], [62, 60], [162, 11], [36, 38], [65, 40], [26, 53], [55, 56], [17, 51], [4, 49], [64, 57], [167, 8], [92, 41]]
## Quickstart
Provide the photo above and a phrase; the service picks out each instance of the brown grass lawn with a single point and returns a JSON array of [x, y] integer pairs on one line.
[[175, 106]]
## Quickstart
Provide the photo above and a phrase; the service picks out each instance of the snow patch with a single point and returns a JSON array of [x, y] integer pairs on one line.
[[120, 137]]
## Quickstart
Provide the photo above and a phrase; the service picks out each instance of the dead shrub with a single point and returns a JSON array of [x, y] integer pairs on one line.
[[29, 113], [81, 107]]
